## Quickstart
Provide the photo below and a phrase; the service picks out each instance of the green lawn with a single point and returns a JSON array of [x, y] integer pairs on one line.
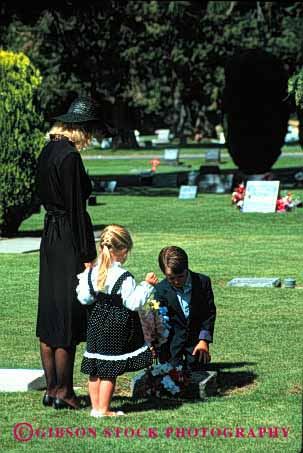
[[103, 166], [258, 333]]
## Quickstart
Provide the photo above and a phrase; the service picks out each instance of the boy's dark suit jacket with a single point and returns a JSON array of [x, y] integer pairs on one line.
[[184, 333]]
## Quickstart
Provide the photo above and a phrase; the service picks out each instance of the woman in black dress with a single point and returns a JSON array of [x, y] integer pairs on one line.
[[67, 245]]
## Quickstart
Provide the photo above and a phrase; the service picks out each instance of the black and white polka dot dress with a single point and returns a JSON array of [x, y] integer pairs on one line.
[[115, 342]]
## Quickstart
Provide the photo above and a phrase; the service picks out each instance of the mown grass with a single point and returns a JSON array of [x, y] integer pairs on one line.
[[258, 334], [124, 165]]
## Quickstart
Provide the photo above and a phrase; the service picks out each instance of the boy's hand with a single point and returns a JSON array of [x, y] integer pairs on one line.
[[201, 350], [151, 278]]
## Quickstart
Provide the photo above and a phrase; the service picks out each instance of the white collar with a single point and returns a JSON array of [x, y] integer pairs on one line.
[[115, 264]]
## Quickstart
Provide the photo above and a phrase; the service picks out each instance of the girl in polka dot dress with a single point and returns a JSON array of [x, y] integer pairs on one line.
[[115, 342]]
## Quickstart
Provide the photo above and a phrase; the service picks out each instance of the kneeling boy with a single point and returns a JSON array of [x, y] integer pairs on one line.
[[189, 299]]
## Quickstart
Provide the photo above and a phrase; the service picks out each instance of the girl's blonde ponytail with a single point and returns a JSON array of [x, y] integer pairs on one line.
[[116, 238], [105, 264]]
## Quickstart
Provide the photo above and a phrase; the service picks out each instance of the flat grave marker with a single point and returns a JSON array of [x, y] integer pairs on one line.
[[20, 245], [202, 384], [255, 282], [21, 380]]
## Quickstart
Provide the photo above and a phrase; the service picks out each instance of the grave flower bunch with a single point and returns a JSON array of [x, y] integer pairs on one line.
[[163, 380], [238, 195], [155, 323], [286, 203]]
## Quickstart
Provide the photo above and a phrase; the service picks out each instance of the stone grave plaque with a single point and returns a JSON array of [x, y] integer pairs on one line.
[[202, 385], [213, 155], [20, 245], [21, 380], [261, 196], [188, 192], [255, 282], [171, 156]]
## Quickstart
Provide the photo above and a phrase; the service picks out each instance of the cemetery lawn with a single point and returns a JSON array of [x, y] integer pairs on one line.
[[258, 333], [140, 161]]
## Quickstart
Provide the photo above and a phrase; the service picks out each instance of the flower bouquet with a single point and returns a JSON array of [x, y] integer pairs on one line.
[[155, 324]]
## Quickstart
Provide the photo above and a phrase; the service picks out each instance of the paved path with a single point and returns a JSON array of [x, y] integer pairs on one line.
[[26, 244], [19, 245]]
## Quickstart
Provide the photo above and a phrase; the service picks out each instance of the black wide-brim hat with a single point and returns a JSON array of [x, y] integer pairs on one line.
[[89, 112]]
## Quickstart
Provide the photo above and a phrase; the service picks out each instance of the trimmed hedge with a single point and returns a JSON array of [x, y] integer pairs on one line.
[[21, 139], [255, 109]]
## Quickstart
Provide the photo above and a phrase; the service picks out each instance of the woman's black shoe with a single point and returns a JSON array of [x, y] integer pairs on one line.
[[48, 400], [61, 404]]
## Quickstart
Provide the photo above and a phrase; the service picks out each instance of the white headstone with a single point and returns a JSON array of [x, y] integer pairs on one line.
[[261, 196], [188, 192], [171, 154], [163, 136]]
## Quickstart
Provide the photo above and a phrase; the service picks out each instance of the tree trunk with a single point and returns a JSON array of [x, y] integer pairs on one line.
[[125, 139], [125, 121]]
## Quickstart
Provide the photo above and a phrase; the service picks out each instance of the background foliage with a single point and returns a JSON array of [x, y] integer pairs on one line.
[[21, 138], [154, 63]]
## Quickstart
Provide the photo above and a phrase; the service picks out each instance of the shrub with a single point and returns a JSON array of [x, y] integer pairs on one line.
[[255, 111], [21, 139], [295, 87], [295, 91]]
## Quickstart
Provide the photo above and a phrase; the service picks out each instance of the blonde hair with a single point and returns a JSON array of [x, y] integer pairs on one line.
[[115, 238], [77, 133]]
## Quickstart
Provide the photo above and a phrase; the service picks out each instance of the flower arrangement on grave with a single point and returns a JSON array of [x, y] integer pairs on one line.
[[163, 380], [159, 379], [237, 197], [287, 203], [155, 324]]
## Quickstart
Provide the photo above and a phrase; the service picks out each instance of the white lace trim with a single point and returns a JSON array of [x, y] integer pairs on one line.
[[95, 355]]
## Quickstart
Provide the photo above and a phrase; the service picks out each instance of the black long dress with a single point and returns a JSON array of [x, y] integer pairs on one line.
[[67, 242]]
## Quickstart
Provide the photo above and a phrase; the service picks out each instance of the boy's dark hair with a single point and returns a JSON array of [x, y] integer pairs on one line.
[[174, 258]]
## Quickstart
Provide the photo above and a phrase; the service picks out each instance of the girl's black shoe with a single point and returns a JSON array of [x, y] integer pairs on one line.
[[48, 400], [61, 404]]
